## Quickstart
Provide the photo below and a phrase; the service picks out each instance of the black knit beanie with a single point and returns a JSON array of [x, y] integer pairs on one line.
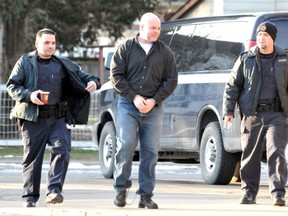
[[268, 27]]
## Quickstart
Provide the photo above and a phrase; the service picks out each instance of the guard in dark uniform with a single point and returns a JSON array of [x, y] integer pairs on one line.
[[259, 83], [42, 123]]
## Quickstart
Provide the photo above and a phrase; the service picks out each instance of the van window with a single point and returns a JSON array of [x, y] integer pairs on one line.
[[166, 35], [208, 46], [183, 47], [282, 34]]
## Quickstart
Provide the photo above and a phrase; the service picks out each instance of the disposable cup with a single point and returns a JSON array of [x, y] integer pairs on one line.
[[44, 97]]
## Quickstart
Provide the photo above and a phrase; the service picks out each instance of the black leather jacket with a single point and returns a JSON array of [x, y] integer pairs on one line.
[[245, 82], [23, 81]]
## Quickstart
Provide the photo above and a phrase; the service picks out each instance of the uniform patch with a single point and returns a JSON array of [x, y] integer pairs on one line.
[[263, 28], [282, 60]]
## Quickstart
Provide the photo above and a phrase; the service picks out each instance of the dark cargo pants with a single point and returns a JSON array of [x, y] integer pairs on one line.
[[35, 136], [265, 131]]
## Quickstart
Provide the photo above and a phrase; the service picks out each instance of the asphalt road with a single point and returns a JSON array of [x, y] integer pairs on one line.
[[179, 191]]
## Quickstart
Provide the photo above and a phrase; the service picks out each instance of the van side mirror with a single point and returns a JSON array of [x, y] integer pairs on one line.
[[108, 60]]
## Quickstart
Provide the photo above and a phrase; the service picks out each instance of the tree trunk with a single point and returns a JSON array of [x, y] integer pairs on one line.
[[1, 48], [14, 44]]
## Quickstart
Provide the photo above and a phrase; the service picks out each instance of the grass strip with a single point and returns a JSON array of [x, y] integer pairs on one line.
[[16, 152]]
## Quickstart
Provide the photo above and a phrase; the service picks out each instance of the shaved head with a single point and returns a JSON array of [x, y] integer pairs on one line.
[[148, 17], [150, 26]]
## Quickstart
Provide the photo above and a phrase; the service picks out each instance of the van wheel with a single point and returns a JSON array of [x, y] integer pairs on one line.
[[217, 165], [107, 149]]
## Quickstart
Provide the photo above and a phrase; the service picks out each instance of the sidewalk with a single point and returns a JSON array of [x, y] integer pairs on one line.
[[179, 191]]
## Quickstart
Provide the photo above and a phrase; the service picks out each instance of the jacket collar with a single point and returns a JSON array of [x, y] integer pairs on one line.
[[254, 50]]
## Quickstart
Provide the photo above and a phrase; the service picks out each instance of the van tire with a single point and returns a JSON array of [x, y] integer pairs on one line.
[[217, 165], [107, 149]]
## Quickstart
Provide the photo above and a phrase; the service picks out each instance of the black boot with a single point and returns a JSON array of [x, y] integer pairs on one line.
[[120, 199], [147, 202]]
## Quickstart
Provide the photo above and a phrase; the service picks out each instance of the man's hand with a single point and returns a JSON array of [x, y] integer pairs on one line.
[[91, 86], [150, 103], [34, 98], [227, 119], [142, 104]]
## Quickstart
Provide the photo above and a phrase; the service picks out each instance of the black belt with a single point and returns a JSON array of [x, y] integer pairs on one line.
[[268, 107], [48, 111]]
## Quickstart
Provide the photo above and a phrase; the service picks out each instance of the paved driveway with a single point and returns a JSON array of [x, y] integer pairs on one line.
[[179, 191]]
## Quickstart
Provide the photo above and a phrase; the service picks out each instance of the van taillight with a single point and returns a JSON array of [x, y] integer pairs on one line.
[[251, 43]]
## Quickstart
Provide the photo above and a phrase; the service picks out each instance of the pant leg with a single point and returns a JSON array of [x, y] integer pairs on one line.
[[252, 133], [34, 136], [59, 141], [275, 146], [127, 141], [150, 130]]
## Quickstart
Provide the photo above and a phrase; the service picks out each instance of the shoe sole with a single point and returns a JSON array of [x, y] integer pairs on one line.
[[57, 199], [29, 205], [121, 205], [248, 202], [279, 204], [145, 206]]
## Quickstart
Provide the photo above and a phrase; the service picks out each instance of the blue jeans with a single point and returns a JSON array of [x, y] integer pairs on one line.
[[131, 127]]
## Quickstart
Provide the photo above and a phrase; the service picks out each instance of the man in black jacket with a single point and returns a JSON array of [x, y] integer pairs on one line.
[[259, 84], [45, 122], [143, 73]]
